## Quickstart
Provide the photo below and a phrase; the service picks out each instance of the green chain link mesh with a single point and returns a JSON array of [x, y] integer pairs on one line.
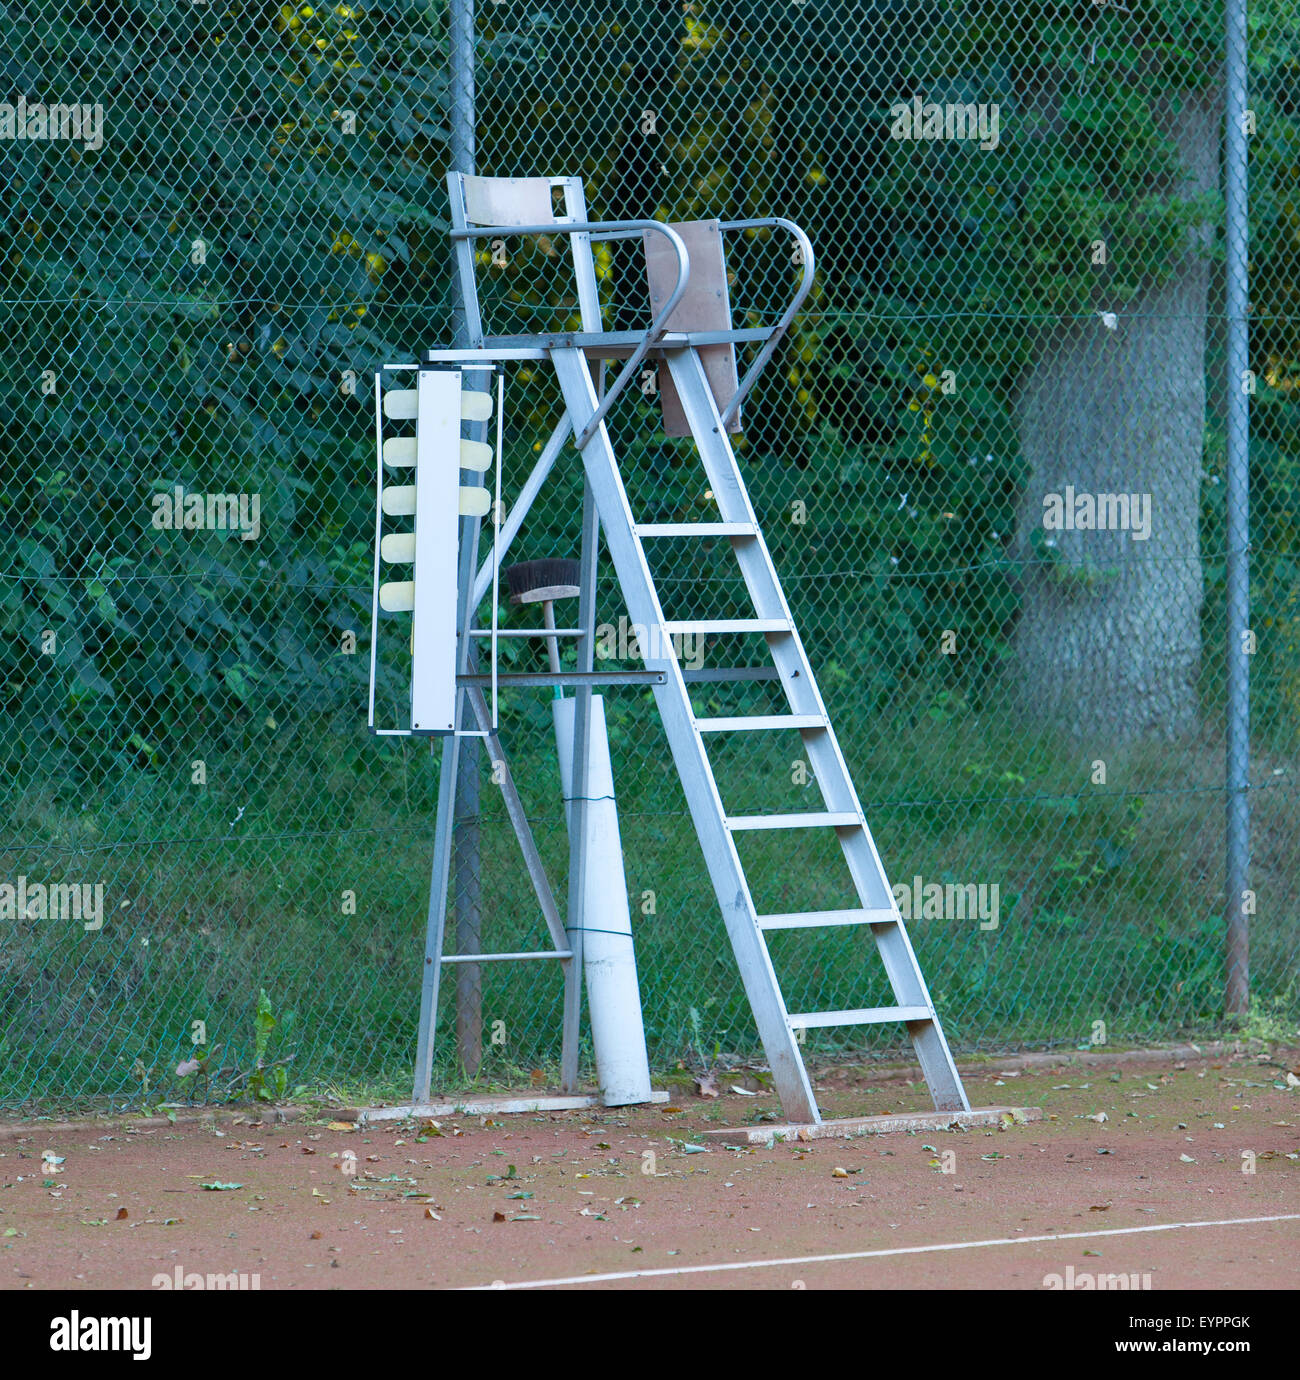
[[990, 463]]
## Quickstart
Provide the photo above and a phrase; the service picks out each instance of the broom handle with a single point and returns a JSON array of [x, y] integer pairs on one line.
[[552, 644]]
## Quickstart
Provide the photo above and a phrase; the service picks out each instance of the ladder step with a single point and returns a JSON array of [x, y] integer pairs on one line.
[[813, 919], [506, 958], [749, 723], [806, 819], [871, 1015], [728, 625], [697, 529]]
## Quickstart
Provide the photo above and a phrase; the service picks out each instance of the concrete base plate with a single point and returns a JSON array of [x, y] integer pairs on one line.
[[488, 1104], [876, 1125]]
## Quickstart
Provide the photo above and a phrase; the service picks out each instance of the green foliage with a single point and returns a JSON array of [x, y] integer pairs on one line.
[[1272, 1021], [932, 256], [222, 339], [266, 1083], [189, 304]]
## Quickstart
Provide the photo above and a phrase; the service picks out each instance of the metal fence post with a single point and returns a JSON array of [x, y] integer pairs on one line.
[[469, 984], [1237, 871], [460, 76]]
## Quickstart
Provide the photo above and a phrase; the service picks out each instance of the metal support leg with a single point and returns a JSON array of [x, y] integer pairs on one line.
[[581, 785], [519, 822], [435, 928], [721, 858], [465, 907]]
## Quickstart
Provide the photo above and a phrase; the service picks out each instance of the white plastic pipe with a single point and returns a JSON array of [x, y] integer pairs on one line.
[[609, 961]]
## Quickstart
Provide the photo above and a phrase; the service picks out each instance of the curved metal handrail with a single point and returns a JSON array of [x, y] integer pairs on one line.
[[607, 230], [783, 325]]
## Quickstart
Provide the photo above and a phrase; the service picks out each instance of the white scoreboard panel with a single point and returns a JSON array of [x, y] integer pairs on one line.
[[425, 468]]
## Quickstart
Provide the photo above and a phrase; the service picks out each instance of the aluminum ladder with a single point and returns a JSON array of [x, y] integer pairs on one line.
[[716, 829], [483, 208]]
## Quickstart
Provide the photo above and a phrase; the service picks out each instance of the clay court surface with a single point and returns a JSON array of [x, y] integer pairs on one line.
[[569, 1196]]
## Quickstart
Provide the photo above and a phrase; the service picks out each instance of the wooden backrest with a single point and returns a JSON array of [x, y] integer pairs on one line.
[[705, 306]]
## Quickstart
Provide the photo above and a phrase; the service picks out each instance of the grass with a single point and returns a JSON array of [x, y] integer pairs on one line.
[[309, 878]]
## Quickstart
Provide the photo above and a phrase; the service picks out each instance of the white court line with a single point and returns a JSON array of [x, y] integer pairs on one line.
[[869, 1255]]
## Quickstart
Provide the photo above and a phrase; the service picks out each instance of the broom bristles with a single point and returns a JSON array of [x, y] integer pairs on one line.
[[559, 576]]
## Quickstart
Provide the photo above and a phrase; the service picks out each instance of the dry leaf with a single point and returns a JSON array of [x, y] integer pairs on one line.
[[1100, 1207], [315, 1236], [122, 1214], [705, 1086], [429, 1212], [838, 1173], [342, 1126], [1099, 1116], [498, 1217]]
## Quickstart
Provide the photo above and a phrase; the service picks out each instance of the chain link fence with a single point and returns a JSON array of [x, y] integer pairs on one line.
[[992, 463]]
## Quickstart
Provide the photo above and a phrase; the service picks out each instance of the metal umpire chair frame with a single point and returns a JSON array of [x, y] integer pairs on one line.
[[697, 367]]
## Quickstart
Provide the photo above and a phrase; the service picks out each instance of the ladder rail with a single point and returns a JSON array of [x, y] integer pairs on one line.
[[759, 573], [825, 755], [686, 745]]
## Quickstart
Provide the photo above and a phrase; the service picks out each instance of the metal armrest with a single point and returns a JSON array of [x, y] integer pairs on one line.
[[783, 325], [609, 230]]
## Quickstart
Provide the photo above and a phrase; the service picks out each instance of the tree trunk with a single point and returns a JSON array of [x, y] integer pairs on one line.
[[1108, 641]]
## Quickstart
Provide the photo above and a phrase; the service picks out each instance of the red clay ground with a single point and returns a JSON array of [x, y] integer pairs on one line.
[[565, 1195]]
